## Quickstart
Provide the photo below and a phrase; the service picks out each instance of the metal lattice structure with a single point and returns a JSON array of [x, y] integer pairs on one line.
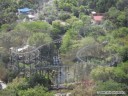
[[44, 59]]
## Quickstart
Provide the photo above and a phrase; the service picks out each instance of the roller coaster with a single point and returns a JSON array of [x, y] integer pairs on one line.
[[45, 59], [93, 54]]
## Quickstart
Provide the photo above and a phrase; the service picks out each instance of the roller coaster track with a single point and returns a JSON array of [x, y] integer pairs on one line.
[[42, 62], [31, 54], [82, 52], [86, 50], [78, 54], [37, 48]]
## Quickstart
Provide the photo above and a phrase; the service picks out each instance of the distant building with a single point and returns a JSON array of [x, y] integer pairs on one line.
[[97, 18], [31, 16], [29, 13], [24, 11]]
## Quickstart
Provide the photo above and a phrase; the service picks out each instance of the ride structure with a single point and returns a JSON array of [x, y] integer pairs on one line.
[[43, 60]]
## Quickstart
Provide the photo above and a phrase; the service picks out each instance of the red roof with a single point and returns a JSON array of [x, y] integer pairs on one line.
[[98, 18]]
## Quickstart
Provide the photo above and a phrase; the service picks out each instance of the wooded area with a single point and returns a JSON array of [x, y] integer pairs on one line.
[[100, 45]]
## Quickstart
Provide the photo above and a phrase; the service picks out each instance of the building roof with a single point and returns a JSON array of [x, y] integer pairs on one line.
[[93, 12], [31, 16], [24, 10], [98, 18]]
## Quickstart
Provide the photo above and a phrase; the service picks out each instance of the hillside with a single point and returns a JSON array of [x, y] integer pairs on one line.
[[78, 47]]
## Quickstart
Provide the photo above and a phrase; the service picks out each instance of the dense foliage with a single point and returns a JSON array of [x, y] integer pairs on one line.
[[70, 20], [26, 87]]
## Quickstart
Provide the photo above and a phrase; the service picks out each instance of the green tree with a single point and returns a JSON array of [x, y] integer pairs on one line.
[[36, 91], [29, 3], [121, 4], [75, 11], [22, 87], [85, 18], [8, 10], [39, 80], [110, 86], [38, 39], [3, 73], [121, 19], [102, 73], [59, 27], [37, 26], [117, 17], [108, 25], [5, 40], [6, 27], [66, 42], [64, 15], [121, 73], [67, 5], [102, 5]]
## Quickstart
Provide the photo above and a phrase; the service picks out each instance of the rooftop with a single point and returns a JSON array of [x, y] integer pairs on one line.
[[24, 10], [98, 18]]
